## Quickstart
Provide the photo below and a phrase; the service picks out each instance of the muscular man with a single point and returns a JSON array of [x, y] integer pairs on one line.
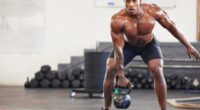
[[131, 31]]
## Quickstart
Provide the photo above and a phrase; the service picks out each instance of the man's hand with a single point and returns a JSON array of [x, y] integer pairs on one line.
[[192, 51], [122, 81]]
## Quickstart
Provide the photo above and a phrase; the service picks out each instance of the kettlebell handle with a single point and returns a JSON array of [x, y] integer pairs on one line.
[[116, 86]]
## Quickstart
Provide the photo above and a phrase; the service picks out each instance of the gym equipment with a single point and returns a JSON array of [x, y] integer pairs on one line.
[[62, 75], [95, 65], [77, 71], [138, 85], [27, 85], [76, 83], [51, 75], [81, 77], [185, 103], [121, 99], [71, 77], [33, 83], [55, 83], [39, 75], [45, 83], [65, 83], [45, 68]]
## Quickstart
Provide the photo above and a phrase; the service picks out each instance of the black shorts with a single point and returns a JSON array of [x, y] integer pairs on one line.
[[150, 51]]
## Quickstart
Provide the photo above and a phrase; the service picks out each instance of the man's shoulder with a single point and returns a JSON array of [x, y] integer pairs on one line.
[[153, 10], [150, 7], [117, 20], [119, 15]]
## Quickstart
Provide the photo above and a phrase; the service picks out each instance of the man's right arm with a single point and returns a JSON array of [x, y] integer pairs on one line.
[[118, 44]]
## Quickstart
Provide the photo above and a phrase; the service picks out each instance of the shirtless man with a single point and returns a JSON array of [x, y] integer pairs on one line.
[[131, 32]]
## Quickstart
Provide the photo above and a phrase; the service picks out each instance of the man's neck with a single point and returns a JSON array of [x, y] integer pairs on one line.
[[139, 15]]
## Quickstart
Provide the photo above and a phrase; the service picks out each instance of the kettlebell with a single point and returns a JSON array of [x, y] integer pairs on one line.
[[121, 98]]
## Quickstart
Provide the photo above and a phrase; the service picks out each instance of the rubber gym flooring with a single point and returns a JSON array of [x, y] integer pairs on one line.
[[19, 98]]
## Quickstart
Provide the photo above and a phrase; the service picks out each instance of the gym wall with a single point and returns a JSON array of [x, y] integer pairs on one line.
[[70, 26]]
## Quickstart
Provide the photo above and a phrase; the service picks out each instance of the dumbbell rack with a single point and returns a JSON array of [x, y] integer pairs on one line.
[[89, 92]]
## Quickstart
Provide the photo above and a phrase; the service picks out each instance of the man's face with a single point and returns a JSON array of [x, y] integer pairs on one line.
[[132, 6]]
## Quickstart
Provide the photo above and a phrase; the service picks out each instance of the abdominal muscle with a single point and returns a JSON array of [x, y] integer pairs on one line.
[[139, 40]]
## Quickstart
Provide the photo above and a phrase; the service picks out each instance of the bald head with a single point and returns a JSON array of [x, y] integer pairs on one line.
[[132, 6]]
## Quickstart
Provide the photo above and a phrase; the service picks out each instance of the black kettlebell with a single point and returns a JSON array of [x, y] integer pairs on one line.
[[121, 99]]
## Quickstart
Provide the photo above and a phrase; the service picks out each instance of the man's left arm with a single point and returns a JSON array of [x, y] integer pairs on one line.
[[168, 24]]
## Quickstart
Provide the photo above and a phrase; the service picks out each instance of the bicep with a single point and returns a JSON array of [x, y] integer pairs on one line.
[[164, 20], [161, 16], [116, 34], [117, 39]]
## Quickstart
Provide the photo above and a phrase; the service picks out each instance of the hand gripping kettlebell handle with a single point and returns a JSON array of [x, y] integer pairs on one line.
[[129, 87]]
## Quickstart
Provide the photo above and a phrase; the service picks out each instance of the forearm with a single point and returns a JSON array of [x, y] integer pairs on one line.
[[119, 60], [179, 35]]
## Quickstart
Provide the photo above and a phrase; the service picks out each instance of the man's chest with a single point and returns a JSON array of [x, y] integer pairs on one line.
[[143, 26]]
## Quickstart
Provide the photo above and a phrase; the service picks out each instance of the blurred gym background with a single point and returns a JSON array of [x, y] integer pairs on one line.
[[38, 32], [51, 43]]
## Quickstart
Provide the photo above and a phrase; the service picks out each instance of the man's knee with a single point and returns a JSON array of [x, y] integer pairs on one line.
[[157, 73], [157, 70]]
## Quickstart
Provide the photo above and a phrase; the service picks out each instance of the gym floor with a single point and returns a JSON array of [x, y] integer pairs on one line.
[[19, 98]]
